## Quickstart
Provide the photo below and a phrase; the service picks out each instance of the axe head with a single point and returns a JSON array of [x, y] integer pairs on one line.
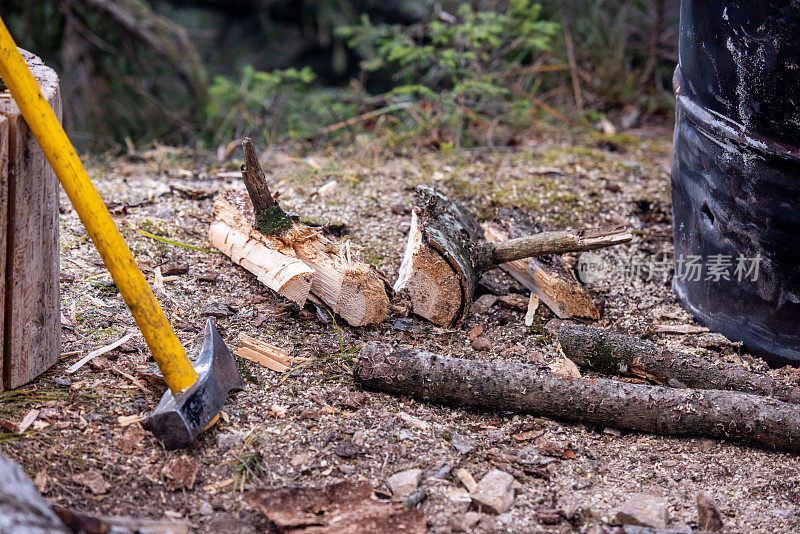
[[179, 418]]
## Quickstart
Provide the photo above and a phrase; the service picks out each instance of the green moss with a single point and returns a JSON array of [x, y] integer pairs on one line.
[[272, 220], [603, 359]]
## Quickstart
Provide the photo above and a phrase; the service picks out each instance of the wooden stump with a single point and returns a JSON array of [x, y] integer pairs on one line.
[[29, 263]]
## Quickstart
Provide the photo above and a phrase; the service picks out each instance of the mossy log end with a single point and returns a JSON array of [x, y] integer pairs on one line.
[[617, 354], [513, 386]]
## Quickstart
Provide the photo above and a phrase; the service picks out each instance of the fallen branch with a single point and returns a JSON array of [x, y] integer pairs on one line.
[[444, 258], [295, 260], [548, 277], [513, 386], [617, 354]]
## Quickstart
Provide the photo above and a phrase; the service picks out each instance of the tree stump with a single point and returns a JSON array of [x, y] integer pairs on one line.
[[29, 263]]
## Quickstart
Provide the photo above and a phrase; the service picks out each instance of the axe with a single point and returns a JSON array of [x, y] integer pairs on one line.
[[196, 394]]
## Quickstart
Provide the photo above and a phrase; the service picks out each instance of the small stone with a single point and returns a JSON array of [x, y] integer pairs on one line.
[[483, 303], [216, 309], [495, 492], [464, 522], [644, 510], [205, 508], [172, 269], [61, 381], [347, 449], [404, 483], [230, 440], [481, 344], [404, 227], [549, 447], [459, 499], [565, 367], [709, 517], [463, 444], [180, 472]]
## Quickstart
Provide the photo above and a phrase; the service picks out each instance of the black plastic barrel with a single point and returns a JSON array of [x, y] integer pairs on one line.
[[736, 172]]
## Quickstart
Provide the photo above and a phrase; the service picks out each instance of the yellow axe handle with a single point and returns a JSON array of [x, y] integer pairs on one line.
[[164, 344]]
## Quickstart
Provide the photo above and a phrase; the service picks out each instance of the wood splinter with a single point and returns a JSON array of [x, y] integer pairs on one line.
[[293, 259], [502, 386], [444, 257]]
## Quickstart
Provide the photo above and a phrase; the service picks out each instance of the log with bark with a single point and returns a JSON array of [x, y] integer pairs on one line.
[[513, 386], [549, 277], [444, 256], [617, 354], [295, 260]]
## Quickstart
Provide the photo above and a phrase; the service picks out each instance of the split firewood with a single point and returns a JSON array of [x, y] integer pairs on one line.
[[444, 258], [511, 386], [265, 354], [548, 277], [295, 260], [617, 354]]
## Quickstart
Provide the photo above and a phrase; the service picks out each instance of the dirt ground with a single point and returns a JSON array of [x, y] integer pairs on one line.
[[312, 426]]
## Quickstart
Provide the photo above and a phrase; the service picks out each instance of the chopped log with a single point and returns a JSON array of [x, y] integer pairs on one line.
[[617, 354], [443, 258], [288, 258], [30, 252], [549, 277], [503, 386]]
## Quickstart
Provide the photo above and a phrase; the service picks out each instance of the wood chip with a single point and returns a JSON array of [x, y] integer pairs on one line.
[[27, 421], [679, 329], [102, 350], [181, 472], [125, 420], [466, 478], [533, 303]]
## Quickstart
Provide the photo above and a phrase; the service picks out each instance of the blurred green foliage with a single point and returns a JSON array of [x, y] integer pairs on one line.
[[438, 73]]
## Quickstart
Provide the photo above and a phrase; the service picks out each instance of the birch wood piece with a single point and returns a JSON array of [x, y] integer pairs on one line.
[[297, 257], [617, 354], [32, 332], [287, 275], [444, 258], [502, 386], [548, 277]]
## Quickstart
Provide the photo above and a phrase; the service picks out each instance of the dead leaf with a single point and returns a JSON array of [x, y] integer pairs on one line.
[[568, 454], [527, 436], [131, 441], [93, 480], [42, 482], [180, 472], [475, 332], [342, 508], [416, 422], [549, 447]]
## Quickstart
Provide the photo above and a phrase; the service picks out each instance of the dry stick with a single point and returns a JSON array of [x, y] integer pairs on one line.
[[550, 278], [616, 354], [491, 254], [513, 386]]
